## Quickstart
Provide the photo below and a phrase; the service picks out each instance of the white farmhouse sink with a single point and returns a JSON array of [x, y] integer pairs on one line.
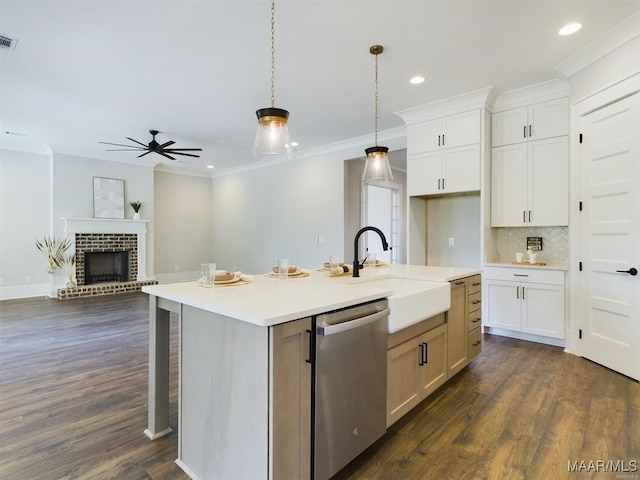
[[412, 300]]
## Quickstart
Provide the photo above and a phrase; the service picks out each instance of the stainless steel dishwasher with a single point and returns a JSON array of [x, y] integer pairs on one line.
[[350, 385]]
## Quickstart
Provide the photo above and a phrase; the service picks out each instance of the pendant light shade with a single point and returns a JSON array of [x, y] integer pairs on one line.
[[272, 137], [376, 167]]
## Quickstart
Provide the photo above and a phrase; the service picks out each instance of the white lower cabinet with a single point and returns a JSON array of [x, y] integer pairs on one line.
[[524, 300]]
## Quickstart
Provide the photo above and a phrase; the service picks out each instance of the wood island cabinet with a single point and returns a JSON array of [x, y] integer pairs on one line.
[[416, 365], [463, 323], [290, 438]]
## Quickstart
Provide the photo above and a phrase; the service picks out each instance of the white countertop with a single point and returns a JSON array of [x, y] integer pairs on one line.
[[269, 301], [550, 266]]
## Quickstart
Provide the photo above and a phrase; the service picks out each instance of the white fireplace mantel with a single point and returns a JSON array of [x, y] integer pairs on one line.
[[112, 225]]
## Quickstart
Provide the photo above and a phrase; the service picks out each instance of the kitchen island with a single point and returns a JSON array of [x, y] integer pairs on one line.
[[244, 387]]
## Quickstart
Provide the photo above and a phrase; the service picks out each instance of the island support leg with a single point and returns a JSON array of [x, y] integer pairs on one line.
[[158, 409]]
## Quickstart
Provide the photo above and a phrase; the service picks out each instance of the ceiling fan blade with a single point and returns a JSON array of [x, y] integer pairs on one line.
[[174, 150], [123, 149], [185, 154], [164, 155], [164, 145], [122, 145], [145, 153], [136, 141]]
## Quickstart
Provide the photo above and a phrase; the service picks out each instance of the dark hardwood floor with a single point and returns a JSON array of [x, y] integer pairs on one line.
[[73, 399]]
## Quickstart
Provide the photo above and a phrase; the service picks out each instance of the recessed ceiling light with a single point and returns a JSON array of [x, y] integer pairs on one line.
[[294, 144], [417, 80], [209, 166], [569, 29]]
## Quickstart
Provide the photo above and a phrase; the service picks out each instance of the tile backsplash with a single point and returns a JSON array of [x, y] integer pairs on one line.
[[555, 243]]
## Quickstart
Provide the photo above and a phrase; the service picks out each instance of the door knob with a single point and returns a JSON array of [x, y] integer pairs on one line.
[[632, 271]]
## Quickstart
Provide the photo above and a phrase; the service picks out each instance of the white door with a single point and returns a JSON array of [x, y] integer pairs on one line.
[[610, 236]]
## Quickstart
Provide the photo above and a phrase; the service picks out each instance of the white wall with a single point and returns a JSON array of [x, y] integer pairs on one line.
[[456, 217], [183, 226], [279, 210], [24, 216]]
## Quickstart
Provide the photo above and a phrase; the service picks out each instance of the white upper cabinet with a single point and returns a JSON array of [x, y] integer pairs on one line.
[[447, 132], [529, 184], [444, 155], [534, 122]]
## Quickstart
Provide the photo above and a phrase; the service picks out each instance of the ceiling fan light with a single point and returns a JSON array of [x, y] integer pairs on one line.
[[272, 136], [376, 167]]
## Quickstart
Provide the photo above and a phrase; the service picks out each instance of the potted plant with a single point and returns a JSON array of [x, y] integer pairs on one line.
[[136, 209], [69, 267], [54, 249]]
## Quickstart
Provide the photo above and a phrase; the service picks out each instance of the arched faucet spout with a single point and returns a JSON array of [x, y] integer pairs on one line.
[[385, 246]]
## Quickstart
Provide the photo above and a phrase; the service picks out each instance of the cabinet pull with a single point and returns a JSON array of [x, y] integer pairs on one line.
[[524, 132], [478, 342], [523, 292], [421, 354], [529, 216], [308, 360], [443, 183], [518, 292], [443, 139], [530, 131], [520, 275], [476, 284], [475, 320], [438, 140], [438, 184], [426, 353], [459, 283], [476, 302], [524, 216]]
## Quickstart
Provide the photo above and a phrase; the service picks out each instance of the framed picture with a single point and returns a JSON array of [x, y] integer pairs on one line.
[[108, 198]]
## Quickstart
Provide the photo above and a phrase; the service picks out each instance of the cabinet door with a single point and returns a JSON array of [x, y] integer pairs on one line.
[[403, 379], [424, 174], [461, 129], [549, 119], [291, 407], [457, 328], [461, 169], [424, 136], [509, 185], [543, 309], [509, 127], [548, 189], [433, 371], [503, 304]]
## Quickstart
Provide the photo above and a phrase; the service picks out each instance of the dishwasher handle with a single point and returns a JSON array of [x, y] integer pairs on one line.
[[351, 324]]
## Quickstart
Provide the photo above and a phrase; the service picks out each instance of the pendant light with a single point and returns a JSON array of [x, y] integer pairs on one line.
[[272, 136], [376, 167]]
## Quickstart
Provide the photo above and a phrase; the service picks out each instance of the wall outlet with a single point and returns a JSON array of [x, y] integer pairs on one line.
[[451, 241], [321, 239], [27, 280]]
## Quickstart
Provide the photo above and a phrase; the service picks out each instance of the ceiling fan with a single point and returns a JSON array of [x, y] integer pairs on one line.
[[154, 147]]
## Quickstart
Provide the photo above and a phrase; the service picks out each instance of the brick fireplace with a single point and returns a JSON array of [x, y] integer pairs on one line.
[[100, 235]]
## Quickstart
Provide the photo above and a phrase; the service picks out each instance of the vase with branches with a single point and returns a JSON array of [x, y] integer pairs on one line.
[[69, 267], [136, 205], [54, 249]]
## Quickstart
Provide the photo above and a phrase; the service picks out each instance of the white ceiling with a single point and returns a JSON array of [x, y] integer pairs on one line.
[[89, 71]]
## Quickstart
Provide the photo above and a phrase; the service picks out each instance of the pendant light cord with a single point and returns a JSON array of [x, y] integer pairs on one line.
[[273, 53], [376, 103]]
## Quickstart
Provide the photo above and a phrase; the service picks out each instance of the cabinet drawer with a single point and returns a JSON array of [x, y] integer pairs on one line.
[[474, 320], [474, 301], [475, 283], [527, 274], [475, 342]]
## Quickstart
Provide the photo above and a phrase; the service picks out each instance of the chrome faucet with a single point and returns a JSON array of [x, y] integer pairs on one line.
[[356, 264]]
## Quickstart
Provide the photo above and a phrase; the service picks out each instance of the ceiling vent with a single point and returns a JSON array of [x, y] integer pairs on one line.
[[8, 43]]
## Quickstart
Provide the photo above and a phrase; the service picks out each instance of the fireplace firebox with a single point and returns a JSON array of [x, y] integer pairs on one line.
[[100, 267]]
